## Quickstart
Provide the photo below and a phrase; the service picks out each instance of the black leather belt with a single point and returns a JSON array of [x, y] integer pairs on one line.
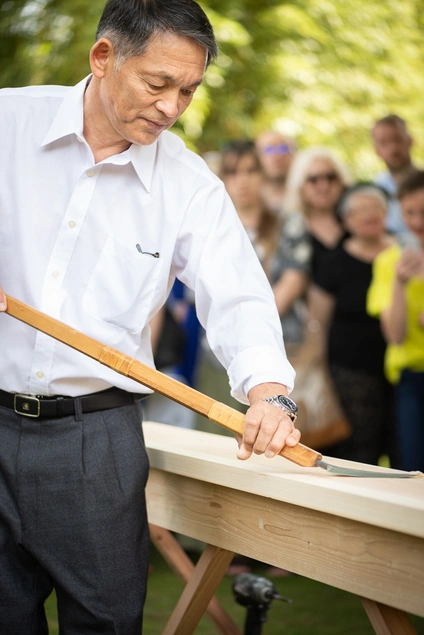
[[43, 407]]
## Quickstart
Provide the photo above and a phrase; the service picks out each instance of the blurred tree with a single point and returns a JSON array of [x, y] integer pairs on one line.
[[320, 70]]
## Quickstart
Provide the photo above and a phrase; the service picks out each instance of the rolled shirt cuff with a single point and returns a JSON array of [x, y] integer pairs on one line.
[[259, 365]]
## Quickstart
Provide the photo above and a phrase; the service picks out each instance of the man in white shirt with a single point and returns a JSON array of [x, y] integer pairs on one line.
[[101, 209], [393, 143]]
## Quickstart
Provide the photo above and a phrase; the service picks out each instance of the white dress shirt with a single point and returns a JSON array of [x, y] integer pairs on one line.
[[69, 232]]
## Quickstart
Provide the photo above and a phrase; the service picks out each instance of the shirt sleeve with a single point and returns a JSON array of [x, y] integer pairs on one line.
[[380, 292], [234, 300]]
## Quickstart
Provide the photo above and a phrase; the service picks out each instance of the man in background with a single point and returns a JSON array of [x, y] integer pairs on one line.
[[276, 153], [393, 143]]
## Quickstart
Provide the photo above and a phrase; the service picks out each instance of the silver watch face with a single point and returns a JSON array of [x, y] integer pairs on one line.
[[287, 404]]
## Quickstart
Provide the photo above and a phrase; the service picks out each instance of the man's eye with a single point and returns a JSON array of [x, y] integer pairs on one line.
[[153, 87], [187, 92]]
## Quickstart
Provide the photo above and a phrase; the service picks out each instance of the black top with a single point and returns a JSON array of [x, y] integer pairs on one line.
[[355, 339], [320, 253]]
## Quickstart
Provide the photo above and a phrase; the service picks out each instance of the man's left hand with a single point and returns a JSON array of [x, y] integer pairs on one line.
[[267, 428]]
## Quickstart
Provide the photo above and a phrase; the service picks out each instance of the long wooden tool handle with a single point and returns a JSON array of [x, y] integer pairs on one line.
[[130, 367]]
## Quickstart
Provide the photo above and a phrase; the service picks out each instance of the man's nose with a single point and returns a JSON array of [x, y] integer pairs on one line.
[[168, 104]]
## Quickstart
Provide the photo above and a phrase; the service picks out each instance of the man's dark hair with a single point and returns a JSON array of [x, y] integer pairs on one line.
[[414, 181], [392, 120], [131, 24]]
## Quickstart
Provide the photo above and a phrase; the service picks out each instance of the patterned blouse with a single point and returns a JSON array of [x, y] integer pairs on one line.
[[294, 251]]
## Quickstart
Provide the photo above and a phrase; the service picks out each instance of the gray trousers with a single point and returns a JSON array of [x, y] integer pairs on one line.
[[73, 518]]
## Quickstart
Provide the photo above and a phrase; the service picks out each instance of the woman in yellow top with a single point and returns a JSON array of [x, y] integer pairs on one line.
[[396, 295]]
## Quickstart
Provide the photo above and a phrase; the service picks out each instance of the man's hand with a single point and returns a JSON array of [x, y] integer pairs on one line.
[[3, 303], [267, 428]]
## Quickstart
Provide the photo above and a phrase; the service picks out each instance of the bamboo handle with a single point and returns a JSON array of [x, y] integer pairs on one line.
[[130, 367]]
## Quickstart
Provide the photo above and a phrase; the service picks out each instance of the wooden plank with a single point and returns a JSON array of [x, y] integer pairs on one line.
[[181, 564], [386, 620], [369, 561], [197, 594], [396, 504]]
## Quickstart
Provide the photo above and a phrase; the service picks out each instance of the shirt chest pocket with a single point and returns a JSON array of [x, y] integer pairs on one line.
[[121, 286]]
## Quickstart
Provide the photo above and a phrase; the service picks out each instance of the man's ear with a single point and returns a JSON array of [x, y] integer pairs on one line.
[[101, 57]]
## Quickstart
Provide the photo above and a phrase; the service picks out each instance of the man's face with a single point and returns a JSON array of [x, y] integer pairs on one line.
[[393, 145], [275, 153], [146, 94]]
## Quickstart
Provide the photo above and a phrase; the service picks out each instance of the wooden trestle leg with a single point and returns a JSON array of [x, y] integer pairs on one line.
[[180, 563], [199, 591], [386, 620]]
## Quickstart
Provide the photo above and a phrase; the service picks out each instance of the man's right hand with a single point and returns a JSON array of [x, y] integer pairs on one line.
[[3, 303]]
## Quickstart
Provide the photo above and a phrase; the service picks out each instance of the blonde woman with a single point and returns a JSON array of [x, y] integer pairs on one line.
[[315, 184]]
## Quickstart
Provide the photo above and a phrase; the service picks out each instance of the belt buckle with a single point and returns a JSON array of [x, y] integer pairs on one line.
[[26, 405]]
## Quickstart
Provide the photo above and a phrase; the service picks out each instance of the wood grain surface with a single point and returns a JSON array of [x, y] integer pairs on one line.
[[363, 536]]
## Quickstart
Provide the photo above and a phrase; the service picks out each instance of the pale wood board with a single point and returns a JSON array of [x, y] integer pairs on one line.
[[365, 536], [395, 504], [369, 561]]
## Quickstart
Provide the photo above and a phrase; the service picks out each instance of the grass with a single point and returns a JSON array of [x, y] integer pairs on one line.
[[316, 609]]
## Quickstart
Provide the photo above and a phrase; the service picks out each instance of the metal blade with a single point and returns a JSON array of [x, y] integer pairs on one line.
[[346, 471]]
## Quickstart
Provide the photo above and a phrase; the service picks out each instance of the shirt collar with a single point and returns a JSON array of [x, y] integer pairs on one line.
[[70, 120], [70, 117], [143, 159]]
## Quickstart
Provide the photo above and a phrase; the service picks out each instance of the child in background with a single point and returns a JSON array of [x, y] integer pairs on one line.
[[396, 295]]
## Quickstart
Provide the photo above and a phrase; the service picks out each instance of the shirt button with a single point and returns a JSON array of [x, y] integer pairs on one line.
[[55, 274], [90, 172], [71, 224], [40, 374], [79, 139]]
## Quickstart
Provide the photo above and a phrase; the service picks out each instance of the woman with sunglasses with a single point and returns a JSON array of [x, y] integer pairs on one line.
[[315, 184]]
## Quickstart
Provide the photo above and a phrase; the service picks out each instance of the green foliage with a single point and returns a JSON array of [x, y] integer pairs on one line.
[[320, 70]]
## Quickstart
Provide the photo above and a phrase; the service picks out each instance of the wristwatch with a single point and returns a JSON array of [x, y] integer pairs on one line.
[[285, 403]]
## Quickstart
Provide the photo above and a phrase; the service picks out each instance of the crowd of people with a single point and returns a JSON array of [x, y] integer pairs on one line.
[[345, 260]]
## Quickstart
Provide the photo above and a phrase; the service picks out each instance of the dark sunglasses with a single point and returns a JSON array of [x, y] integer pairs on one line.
[[330, 177], [281, 148]]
